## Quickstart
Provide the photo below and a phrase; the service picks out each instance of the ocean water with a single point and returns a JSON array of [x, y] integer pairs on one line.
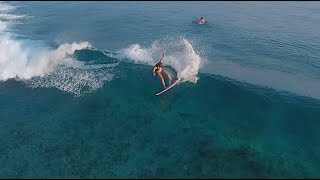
[[77, 95]]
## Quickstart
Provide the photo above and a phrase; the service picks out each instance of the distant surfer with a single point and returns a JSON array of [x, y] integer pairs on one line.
[[161, 72], [201, 21]]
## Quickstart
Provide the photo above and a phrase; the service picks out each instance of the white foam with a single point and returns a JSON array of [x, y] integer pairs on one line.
[[51, 67], [3, 27], [37, 65], [179, 54], [11, 16], [19, 62], [6, 7], [73, 80]]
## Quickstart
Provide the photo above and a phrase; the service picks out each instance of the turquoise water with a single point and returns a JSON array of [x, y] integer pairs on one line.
[[77, 95]]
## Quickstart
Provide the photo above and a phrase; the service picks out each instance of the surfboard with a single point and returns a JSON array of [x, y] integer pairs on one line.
[[168, 88]]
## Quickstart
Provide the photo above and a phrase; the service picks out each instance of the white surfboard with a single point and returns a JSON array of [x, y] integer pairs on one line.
[[171, 86]]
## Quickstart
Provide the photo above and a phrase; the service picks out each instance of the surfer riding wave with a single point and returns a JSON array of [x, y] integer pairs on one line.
[[161, 72]]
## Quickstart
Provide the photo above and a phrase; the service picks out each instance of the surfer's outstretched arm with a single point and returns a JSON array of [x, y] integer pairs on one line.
[[162, 58]]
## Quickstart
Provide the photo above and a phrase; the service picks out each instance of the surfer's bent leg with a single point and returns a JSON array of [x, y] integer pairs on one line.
[[167, 74], [162, 80]]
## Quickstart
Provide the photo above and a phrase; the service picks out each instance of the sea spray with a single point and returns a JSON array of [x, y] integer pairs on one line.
[[179, 54]]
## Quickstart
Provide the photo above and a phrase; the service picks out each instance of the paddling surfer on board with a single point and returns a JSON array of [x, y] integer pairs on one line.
[[161, 72], [201, 21]]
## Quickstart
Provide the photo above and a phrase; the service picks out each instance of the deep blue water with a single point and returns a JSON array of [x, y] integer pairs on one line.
[[77, 95]]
